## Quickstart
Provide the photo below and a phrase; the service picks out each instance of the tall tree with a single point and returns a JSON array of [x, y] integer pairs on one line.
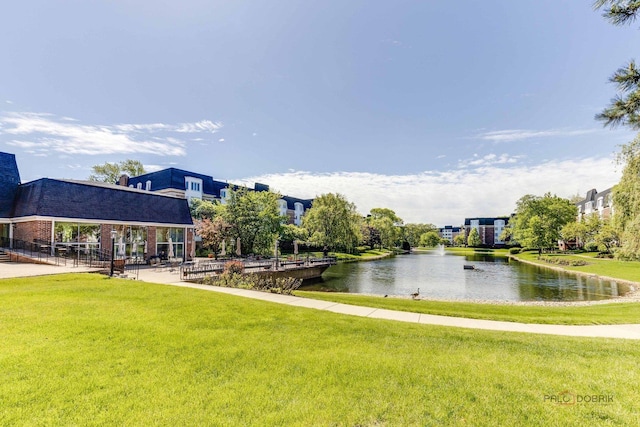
[[539, 220], [626, 200], [370, 235], [292, 233], [213, 232], [459, 240], [607, 237], [625, 107], [111, 172], [201, 209], [625, 110], [576, 231], [474, 238], [388, 224], [255, 218], [334, 222], [413, 232], [430, 239]]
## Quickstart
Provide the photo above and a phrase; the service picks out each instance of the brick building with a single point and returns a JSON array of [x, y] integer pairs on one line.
[[600, 203], [188, 185], [79, 216], [489, 229]]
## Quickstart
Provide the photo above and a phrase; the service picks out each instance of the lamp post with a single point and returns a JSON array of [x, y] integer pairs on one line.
[[114, 234]]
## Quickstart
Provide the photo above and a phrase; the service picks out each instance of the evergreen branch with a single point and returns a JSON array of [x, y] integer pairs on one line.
[[619, 12], [627, 78]]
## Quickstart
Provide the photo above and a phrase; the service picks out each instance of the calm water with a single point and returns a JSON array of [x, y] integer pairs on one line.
[[443, 276]]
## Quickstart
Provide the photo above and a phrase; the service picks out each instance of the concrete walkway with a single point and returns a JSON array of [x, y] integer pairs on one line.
[[628, 331], [166, 276], [13, 269]]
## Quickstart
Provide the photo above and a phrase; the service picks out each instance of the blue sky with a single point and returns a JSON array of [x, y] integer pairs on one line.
[[438, 110]]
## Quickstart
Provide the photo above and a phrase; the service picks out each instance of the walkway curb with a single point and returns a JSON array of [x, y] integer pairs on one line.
[[625, 331]]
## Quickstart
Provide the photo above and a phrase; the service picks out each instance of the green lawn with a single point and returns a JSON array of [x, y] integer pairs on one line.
[[600, 314], [613, 313], [363, 256], [625, 270], [86, 350]]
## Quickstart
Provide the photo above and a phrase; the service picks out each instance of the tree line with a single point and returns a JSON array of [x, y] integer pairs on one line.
[[332, 223], [540, 222]]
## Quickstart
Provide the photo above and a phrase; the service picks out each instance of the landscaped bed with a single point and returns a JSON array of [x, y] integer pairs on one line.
[[87, 350]]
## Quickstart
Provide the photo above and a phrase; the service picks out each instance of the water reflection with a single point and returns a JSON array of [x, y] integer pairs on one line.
[[494, 278]]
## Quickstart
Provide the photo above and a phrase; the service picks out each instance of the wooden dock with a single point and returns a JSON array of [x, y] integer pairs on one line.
[[304, 268]]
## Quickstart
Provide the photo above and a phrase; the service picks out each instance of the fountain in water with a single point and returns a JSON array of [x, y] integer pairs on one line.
[[440, 250]]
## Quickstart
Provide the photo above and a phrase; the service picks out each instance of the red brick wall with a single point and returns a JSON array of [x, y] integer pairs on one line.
[[105, 237], [489, 230], [151, 241], [190, 244], [33, 231]]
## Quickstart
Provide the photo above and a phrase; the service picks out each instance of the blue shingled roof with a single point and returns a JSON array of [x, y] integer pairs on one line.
[[306, 203], [67, 199], [174, 178], [486, 221], [9, 181]]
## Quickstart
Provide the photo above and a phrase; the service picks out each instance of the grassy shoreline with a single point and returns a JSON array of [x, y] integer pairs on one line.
[[604, 268], [85, 350], [624, 310]]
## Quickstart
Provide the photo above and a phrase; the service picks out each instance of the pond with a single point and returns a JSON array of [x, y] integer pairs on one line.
[[443, 276]]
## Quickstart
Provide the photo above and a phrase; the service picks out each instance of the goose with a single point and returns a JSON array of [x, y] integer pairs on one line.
[[415, 294]]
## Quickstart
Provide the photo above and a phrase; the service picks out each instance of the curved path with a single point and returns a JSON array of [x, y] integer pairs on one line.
[[166, 276], [628, 331]]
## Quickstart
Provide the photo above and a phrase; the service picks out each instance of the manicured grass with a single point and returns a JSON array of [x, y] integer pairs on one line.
[[600, 314], [474, 251], [625, 270], [363, 256], [86, 350], [613, 313]]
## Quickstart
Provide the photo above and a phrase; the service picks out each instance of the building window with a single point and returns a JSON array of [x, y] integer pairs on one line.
[[72, 237], [139, 186], [282, 204], [170, 242], [224, 195], [148, 187]]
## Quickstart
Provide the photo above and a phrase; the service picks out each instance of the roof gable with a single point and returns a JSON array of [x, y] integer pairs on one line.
[[175, 179], [66, 199], [9, 181]]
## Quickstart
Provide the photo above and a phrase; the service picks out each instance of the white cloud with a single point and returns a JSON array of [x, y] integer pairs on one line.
[[221, 140], [44, 133], [201, 126], [489, 159], [520, 134], [153, 168], [447, 198]]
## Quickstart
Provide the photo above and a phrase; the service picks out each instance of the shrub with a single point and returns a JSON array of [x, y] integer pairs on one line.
[[514, 251], [562, 261], [591, 247], [236, 267], [604, 255], [257, 282]]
